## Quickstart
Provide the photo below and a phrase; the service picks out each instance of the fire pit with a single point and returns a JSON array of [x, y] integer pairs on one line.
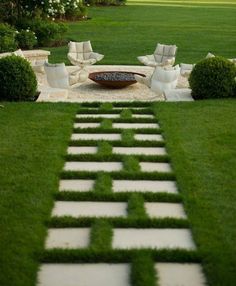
[[114, 79]]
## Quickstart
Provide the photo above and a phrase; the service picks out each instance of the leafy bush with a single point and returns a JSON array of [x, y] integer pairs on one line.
[[47, 33], [17, 79], [26, 39], [76, 13], [7, 38], [213, 78]]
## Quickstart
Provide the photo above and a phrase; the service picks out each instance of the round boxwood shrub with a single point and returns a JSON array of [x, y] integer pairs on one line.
[[213, 78], [17, 79]]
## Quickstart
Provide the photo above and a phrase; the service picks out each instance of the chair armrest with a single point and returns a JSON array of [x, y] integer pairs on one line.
[[96, 56]]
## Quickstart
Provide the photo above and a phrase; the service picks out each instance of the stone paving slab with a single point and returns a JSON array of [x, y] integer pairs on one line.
[[139, 150], [124, 238], [72, 150], [135, 125], [76, 185], [93, 166], [180, 274], [101, 136], [87, 125], [89, 115], [142, 116], [150, 137], [90, 274], [155, 167], [162, 210], [144, 186], [68, 238], [90, 209]]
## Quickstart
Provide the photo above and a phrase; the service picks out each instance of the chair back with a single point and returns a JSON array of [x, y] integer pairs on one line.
[[80, 50], [57, 75], [164, 52]]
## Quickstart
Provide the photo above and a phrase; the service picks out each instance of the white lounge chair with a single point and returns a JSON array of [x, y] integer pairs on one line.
[[58, 76], [164, 55], [81, 54]]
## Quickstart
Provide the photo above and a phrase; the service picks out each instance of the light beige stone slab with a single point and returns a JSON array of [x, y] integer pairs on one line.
[[97, 115], [90, 274], [68, 238], [161, 210], [135, 125], [155, 167], [144, 186], [139, 150], [150, 137], [93, 166], [180, 274], [86, 125], [77, 150], [126, 107], [124, 238], [142, 116], [90, 209], [76, 185], [97, 136]]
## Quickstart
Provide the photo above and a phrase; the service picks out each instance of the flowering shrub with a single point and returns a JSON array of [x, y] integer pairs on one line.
[[26, 39]]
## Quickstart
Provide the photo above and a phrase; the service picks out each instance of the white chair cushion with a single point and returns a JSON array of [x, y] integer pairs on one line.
[[57, 75]]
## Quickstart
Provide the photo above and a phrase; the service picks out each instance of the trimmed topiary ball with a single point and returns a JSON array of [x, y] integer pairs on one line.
[[17, 79], [213, 78]]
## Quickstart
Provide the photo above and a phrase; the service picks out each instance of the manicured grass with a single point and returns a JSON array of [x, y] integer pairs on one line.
[[200, 140], [123, 33]]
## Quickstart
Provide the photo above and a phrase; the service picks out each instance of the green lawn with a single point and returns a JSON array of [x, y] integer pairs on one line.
[[200, 141], [123, 33]]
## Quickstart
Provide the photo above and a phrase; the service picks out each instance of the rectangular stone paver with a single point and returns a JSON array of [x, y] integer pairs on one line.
[[76, 185], [135, 125], [155, 167], [161, 210], [91, 136], [97, 115], [89, 274], [176, 274], [68, 238], [74, 150], [144, 186], [87, 125], [124, 238], [142, 116], [90, 209], [139, 150], [150, 137], [93, 166]]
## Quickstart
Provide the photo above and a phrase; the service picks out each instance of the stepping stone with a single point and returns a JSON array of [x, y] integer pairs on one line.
[[68, 238], [86, 125], [134, 125], [93, 166], [101, 136], [176, 274], [148, 137], [126, 107], [97, 115], [76, 185], [81, 150], [90, 209], [120, 186], [124, 238], [142, 116], [139, 150], [89, 274], [162, 210], [155, 167]]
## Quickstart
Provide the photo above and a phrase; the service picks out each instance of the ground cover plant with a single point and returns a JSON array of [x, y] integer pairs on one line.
[[202, 153], [136, 28]]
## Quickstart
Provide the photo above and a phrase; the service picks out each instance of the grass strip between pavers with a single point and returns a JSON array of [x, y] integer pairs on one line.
[[119, 143], [117, 256], [68, 221], [117, 130], [108, 196], [117, 104], [114, 120], [113, 111]]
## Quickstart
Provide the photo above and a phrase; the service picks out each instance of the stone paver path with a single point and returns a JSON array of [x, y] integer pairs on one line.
[[97, 189]]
